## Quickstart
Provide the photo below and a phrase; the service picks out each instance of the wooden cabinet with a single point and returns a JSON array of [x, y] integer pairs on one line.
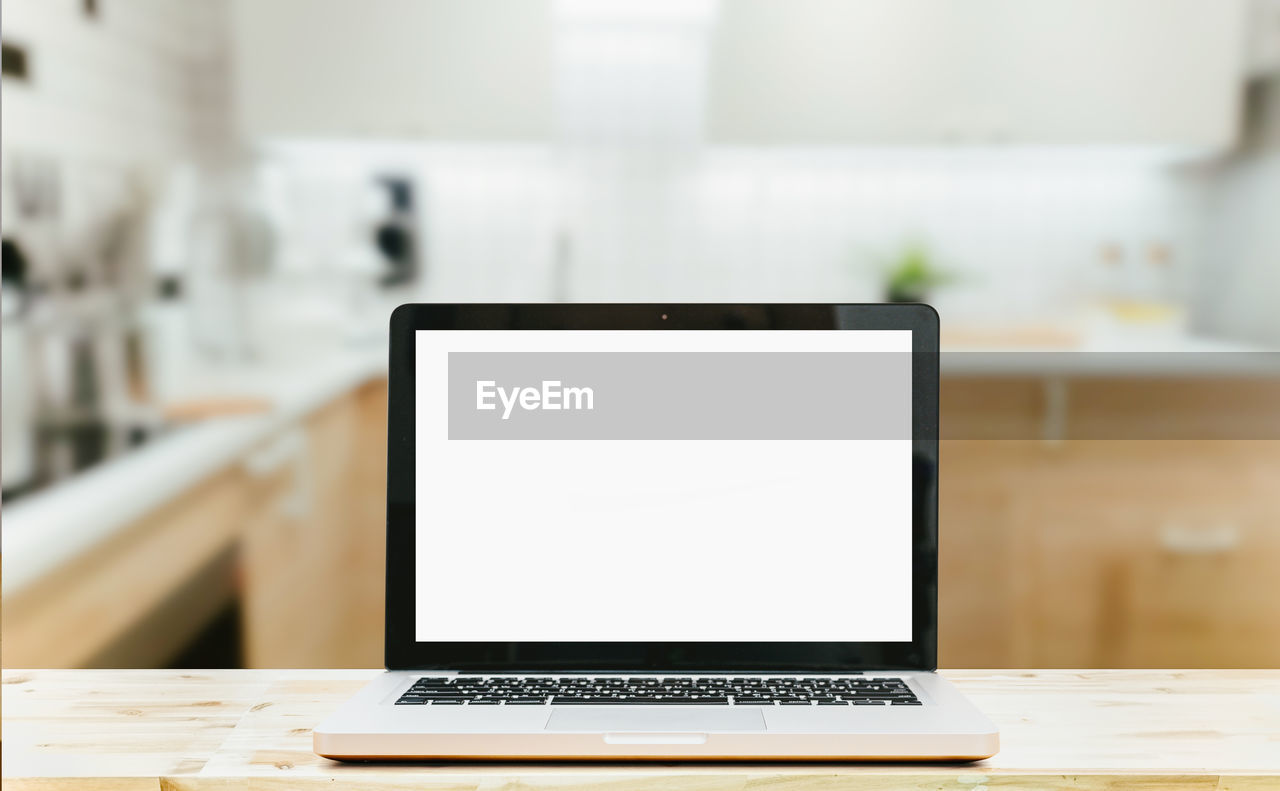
[[1144, 540], [88, 612], [295, 532], [977, 594], [1147, 536], [1164, 72], [1153, 554], [1134, 72], [396, 69], [313, 556]]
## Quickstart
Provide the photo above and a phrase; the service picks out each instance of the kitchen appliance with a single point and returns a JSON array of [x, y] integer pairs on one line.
[[396, 233], [18, 429], [75, 281]]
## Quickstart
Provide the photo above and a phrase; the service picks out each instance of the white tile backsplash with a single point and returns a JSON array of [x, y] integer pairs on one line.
[[137, 83], [1021, 232]]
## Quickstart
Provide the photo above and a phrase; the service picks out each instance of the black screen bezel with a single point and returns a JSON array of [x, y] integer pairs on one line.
[[403, 652]]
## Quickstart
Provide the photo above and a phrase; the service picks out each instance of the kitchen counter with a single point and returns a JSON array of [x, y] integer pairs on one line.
[[1112, 354], [236, 729], [49, 528]]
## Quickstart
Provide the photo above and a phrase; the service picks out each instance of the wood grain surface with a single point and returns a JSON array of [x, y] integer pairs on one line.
[[237, 730]]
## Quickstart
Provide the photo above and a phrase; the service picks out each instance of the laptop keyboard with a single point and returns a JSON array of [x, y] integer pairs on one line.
[[658, 691]]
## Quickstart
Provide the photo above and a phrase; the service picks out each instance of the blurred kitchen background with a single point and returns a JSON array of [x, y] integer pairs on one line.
[[209, 208]]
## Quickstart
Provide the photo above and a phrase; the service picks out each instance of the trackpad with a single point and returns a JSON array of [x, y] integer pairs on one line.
[[609, 719]]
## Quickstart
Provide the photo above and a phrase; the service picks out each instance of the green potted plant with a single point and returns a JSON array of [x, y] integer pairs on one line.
[[912, 275]]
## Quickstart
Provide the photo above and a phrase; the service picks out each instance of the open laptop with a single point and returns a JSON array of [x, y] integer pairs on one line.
[[661, 532]]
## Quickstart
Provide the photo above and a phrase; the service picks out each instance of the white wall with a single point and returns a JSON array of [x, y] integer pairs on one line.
[[138, 83], [1022, 230], [114, 107], [444, 69], [628, 201]]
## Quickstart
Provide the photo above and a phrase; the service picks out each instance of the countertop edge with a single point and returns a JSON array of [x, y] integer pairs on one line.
[[48, 530]]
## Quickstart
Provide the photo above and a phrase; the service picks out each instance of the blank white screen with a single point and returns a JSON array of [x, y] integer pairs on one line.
[[658, 540]]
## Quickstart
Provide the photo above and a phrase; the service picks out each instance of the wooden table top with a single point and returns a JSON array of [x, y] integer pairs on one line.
[[251, 729]]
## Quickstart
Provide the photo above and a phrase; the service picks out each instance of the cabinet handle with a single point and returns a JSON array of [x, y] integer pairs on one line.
[[272, 455], [1185, 541], [289, 448]]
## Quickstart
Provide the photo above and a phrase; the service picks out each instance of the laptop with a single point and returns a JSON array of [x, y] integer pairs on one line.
[[691, 532]]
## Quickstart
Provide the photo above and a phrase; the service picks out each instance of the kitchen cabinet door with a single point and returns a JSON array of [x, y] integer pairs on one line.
[[1057, 72], [312, 558], [830, 71], [358, 527], [279, 563], [978, 596], [1205, 596], [1150, 553], [1128, 72], [441, 69], [97, 610], [1147, 537]]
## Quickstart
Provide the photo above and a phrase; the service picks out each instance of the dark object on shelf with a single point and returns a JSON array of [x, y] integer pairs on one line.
[[395, 235], [168, 288], [13, 266], [13, 61]]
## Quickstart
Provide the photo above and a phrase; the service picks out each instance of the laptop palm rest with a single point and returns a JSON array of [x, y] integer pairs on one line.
[[610, 720]]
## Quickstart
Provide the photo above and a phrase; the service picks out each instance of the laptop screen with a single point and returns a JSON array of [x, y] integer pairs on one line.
[[663, 486]]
